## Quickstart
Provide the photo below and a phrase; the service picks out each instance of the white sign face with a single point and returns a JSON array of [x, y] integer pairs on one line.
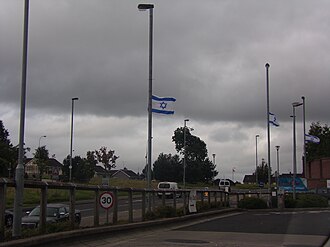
[[106, 200], [328, 183], [192, 201]]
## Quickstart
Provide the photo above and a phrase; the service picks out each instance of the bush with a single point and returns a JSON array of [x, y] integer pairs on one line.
[[305, 201], [252, 203]]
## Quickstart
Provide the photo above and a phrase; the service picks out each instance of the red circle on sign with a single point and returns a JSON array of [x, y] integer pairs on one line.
[[106, 200]]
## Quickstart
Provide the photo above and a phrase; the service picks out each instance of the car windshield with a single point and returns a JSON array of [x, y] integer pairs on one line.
[[164, 186], [51, 212]]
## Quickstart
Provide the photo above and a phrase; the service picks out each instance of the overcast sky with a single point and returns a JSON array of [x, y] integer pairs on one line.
[[210, 55]]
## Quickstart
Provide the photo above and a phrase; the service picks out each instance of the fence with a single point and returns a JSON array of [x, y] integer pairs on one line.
[[147, 200]]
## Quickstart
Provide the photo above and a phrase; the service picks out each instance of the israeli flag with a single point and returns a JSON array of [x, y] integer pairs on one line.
[[273, 120], [163, 105], [313, 139]]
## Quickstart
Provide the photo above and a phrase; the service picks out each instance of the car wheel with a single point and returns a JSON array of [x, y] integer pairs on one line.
[[9, 221]]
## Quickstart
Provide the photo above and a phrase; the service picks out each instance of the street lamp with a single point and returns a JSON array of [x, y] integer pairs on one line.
[[304, 126], [294, 105], [184, 155], [277, 175], [19, 174], [71, 139], [40, 139], [257, 159], [150, 7]]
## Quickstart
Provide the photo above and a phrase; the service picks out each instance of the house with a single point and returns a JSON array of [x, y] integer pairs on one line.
[[317, 173], [121, 174], [125, 174], [249, 179], [53, 169]]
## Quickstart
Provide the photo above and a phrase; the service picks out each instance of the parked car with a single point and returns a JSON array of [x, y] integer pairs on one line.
[[9, 218], [168, 186], [54, 213], [224, 184]]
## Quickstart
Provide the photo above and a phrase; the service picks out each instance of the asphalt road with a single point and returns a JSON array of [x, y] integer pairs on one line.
[[247, 229]]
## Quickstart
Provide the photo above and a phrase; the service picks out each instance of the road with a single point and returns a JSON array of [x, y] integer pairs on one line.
[[267, 229]]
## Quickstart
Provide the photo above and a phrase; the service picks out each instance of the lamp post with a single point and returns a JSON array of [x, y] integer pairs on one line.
[[278, 166], [257, 159], [71, 138], [213, 155], [304, 126], [268, 137], [40, 139], [150, 7], [277, 175], [19, 174], [294, 105], [184, 155]]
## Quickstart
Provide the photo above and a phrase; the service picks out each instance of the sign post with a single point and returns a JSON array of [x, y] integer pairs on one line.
[[106, 201]]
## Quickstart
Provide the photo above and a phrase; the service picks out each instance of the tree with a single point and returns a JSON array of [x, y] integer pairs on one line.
[[322, 149], [83, 169], [168, 168], [41, 157], [262, 171], [198, 166], [107, 158], [8, 153]]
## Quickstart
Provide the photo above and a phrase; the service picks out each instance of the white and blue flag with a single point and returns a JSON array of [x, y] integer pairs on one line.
[[163, 105], [311, 138], [273, 120]]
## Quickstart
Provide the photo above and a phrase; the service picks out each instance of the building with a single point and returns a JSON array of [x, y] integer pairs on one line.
[[53, 169], [125, 174], [317, 173]]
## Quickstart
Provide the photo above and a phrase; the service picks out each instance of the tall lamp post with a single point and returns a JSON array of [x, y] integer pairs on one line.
[[184, 155], [150, 7], [257, 159], [19, 174], [40, 139], [304, 126], [213, 155], [294, 105], [278, 166], [71, 138], [277, 175]]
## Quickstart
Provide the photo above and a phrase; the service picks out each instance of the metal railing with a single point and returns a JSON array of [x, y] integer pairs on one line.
[[220, 198]]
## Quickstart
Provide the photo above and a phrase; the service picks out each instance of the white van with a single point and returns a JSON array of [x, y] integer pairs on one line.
[[224, 184], [167, 186]]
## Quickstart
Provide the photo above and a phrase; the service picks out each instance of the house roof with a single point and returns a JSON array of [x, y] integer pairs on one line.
[[51, 162], [128, 173], [249, 179]]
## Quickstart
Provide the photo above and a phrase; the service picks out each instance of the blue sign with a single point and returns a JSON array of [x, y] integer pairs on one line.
[[286, 184]]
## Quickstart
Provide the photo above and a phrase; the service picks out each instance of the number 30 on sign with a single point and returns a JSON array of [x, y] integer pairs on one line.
[[106, 200]]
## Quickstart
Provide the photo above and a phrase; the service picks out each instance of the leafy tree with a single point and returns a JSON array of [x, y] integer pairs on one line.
[[168, 168], [8, 153], [262, 171], [198, 166], [107, 158], [83, 169], [314, 150], [41, 157]]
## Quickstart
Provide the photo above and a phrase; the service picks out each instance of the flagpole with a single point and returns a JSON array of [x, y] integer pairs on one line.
[[268, 135]]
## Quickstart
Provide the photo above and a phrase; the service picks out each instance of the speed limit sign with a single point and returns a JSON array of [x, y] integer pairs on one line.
[[106, 200]]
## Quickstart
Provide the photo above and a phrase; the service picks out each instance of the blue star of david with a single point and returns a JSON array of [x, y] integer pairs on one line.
[[163, 105]]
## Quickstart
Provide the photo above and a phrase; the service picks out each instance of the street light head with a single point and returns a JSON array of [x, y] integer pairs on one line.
[[186, 120], [257, 136], [277, 147], [75, 98], [267, 65], [143, 6], [296, 104]]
